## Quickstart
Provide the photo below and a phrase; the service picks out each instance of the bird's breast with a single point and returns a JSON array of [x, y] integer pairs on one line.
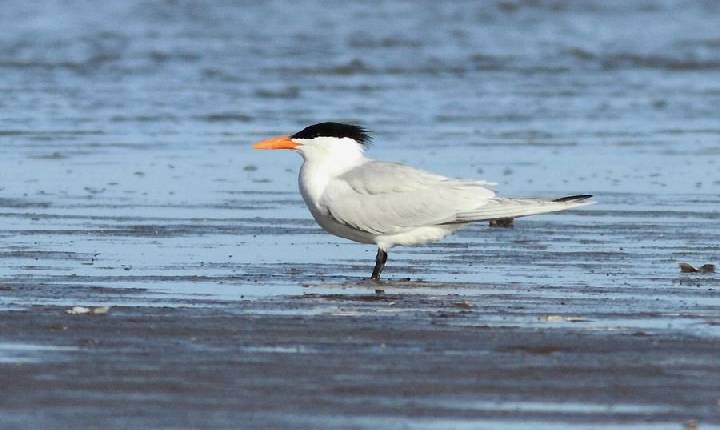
[[312, 182]]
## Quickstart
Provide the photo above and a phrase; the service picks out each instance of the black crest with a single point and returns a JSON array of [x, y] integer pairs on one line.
[[334, 129]]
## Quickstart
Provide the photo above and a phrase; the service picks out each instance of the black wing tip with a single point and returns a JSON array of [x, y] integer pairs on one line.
[[577, 197]]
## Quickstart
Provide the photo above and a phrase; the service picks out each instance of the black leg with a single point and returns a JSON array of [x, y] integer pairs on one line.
[[380, 260]]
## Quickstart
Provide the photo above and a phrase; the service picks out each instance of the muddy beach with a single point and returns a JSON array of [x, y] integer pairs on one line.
[[127, 184]]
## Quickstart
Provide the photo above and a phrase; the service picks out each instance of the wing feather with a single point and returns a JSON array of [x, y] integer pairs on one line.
[[389, 198], [512, 208]]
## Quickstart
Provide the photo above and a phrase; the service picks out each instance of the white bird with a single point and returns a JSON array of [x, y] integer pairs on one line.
[[390, 204]]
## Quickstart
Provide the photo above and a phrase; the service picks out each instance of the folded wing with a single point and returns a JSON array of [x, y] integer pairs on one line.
[[389, 198]]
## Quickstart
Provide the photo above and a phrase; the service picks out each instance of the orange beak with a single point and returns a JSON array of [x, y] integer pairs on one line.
[[278, 142]]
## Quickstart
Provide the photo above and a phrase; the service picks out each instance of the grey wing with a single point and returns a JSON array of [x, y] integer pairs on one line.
[[389, 198]]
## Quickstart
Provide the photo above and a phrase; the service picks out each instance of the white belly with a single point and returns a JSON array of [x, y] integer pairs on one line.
[[417, 236], [342, 230]]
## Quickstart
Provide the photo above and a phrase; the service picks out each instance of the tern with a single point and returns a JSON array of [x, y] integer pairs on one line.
[[391, 204]]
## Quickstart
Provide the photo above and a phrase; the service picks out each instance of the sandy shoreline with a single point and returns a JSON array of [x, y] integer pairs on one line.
[[408, 358], [127, 181]]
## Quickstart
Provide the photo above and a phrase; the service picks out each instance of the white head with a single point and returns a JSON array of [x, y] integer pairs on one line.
[[330, 142]]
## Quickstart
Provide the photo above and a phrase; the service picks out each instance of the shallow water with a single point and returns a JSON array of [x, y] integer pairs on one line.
[[127, 178]]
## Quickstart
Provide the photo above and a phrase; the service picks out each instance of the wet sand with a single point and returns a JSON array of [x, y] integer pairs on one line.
[[127, 181], [494, 357]]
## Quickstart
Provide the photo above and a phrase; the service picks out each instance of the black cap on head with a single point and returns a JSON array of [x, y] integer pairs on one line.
[[334, 129]]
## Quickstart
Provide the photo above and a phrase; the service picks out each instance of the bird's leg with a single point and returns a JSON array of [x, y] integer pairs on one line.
[[380, 260]]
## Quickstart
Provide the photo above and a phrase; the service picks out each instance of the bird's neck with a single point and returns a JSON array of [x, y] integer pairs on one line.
[[320, 167]]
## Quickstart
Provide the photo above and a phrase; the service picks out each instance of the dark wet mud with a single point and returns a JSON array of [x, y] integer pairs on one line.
[[127, 182], [349, 361]]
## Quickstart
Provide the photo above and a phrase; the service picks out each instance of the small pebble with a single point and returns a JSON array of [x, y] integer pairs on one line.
[[705, 268]]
